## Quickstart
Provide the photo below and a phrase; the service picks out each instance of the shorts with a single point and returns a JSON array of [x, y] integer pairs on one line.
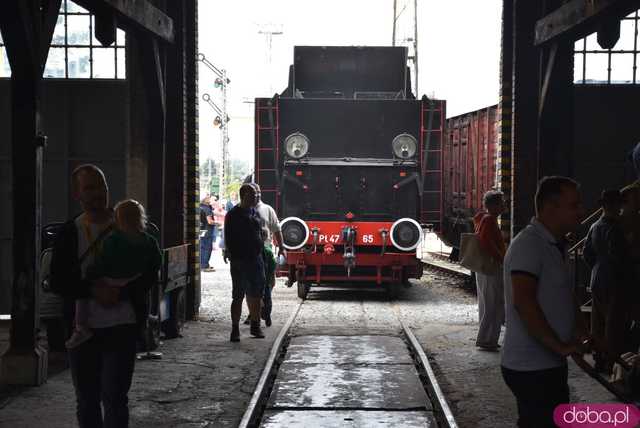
[[247, 278]]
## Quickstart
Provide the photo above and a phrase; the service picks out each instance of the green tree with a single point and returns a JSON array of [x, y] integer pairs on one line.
[[209, 169], [232, 189], [239, 169]]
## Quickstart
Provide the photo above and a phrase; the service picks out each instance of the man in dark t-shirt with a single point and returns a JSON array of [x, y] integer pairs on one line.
[[243, 247], [207, 230]]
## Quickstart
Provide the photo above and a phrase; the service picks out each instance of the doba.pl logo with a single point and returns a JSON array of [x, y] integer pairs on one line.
[[582, 415]]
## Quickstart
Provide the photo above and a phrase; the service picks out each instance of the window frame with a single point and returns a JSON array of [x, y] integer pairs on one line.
[[582, 55], [69, 9]]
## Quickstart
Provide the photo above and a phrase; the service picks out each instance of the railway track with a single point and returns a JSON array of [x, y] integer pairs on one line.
[[436, 262], [347, 380]]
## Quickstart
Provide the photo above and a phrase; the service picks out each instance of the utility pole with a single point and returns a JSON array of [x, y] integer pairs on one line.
[[406, 37], [269, 31], [395, 18], [222, 82], [224, 165], [415, 44]]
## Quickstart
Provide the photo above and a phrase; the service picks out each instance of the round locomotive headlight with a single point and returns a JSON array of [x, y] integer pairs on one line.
[[404, 146], [296, 145], [295, 233], [406, 234]]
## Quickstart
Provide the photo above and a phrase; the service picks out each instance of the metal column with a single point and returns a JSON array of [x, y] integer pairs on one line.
[[524, 127], [27, 28]]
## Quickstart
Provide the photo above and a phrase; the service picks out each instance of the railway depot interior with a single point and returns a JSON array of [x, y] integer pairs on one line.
[[132, 87]]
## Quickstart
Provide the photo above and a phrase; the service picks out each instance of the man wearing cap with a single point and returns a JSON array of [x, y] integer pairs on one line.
[[607, 254]]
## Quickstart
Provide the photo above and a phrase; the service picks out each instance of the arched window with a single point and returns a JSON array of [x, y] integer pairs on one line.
[[75, 53], [594, 65]]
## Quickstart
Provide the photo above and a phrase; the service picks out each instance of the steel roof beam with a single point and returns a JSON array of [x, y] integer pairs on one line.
[[578, 18], [140, 13]]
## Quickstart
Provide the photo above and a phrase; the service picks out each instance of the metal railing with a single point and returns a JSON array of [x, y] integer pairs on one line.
[[575, 251], [580, 244]]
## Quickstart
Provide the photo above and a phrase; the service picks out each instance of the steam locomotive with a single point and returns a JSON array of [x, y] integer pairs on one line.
[[352, 163]]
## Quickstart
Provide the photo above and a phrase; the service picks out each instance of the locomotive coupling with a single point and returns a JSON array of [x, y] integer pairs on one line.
[[348, 235], [349, 240]]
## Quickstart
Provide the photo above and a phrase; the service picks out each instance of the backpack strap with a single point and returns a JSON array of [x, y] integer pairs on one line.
[[95, 243]]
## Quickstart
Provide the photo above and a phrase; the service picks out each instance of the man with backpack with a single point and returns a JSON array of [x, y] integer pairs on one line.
[[244, 248]]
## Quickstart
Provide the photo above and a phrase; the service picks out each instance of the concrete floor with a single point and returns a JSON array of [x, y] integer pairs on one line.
[[471, 378], [204, 380]]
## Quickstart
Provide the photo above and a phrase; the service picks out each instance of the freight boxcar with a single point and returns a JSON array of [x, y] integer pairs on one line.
[[352, 163], [469, 158]]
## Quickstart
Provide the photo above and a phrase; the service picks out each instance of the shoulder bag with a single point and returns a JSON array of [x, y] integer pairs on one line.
[[474, 258]]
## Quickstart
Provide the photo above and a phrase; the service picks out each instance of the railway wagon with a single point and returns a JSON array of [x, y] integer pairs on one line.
[[469, 158], [352, 163]]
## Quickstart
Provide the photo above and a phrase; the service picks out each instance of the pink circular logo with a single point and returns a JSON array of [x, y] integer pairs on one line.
[[582, 415]]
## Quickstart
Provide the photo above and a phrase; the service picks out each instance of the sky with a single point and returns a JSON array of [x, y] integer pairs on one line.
[[458, 51]]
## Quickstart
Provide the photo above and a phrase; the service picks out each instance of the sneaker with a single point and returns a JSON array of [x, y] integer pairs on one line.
[[235, 334], [256, 331], [78, 337]]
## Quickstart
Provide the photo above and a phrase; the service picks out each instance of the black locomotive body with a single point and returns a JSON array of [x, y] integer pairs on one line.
[[352, 162]]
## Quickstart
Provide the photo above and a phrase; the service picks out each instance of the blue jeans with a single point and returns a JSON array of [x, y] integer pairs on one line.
[[206, 247], [221, 244], [102, 369]]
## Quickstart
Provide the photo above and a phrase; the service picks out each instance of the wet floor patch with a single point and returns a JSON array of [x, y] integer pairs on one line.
[[348, 381], [347, 418]]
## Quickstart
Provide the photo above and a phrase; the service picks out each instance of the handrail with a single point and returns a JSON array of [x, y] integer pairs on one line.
[[594, 214], [584, 222], [587, 220], [578, 245]]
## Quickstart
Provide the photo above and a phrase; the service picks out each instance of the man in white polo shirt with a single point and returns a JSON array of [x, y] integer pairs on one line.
[[543, 320]]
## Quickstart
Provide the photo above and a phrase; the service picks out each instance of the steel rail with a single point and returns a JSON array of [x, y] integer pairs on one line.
[[437, 396], [446, 269], [253, 409]]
